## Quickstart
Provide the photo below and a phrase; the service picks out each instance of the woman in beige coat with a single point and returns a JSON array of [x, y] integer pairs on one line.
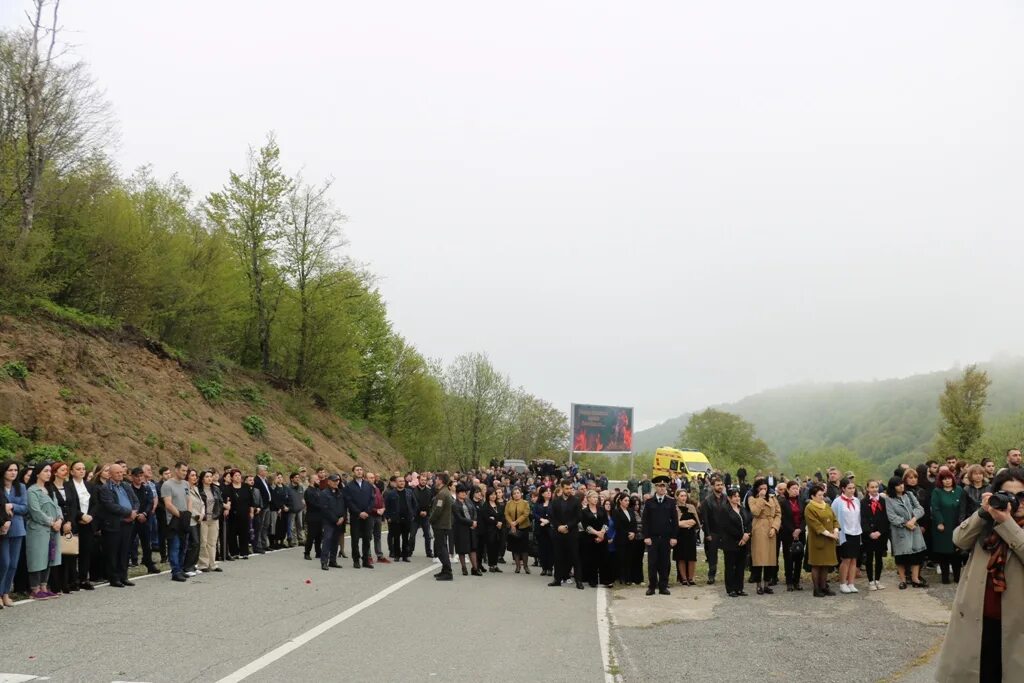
[[764, 532], [985, 638]]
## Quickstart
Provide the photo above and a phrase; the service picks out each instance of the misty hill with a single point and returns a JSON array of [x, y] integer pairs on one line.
[[880, 420]]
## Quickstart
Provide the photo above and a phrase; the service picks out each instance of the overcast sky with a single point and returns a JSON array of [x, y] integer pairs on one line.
[[659, 204]]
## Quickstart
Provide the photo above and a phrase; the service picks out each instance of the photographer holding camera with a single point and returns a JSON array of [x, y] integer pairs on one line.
[[989, 605]]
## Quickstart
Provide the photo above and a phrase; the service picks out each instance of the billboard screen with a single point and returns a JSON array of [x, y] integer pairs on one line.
[[602, 429]]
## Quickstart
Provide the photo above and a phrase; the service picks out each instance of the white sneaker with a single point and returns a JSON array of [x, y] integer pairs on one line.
[[850, 588], [872, 586], [843, 588], [879, 586]]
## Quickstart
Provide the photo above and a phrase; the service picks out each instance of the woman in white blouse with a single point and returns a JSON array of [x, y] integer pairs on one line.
[[847, 510]]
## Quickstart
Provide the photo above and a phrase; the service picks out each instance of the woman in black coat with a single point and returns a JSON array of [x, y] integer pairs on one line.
[[626, 537], [492, 518], [594, 543], [733, 528], [464, 523], [542, 531], [792, 531], [874, 524], [239, 497]]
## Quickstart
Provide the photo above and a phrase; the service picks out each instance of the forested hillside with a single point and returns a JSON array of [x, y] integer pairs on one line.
[[255, 275], [881, 421]]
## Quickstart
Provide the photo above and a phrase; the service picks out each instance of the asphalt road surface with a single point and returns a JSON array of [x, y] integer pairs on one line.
[[261, 620], [279, 618]]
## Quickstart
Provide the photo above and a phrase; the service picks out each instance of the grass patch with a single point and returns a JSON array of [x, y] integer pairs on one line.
[[197, 447], [305, 439], [252, 395], [210, 389], [66, 394], [73, 316]]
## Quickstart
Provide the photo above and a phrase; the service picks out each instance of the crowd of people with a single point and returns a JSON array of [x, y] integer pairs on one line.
[[63, 529]]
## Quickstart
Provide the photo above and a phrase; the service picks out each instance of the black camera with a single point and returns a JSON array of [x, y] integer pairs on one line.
[[1003, 501]]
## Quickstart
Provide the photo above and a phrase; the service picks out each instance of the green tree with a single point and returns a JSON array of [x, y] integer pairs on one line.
[[250, 209], [962, 405], [477, 396], [807, 463], [728, 440]]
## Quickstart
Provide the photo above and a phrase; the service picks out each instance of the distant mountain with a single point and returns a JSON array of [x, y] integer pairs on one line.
[[880, 420]]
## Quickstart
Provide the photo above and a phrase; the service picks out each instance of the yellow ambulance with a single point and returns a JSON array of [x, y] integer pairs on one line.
[[674, 462]]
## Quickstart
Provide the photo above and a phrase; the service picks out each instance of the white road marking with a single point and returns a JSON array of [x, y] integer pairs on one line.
[[20, 678], [603, 633], [318, 630]]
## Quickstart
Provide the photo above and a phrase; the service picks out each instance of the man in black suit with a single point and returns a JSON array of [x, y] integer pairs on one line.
[[565, 520], [119, 508], [140, 528], [359, 497], [660, 526], [332, 515]]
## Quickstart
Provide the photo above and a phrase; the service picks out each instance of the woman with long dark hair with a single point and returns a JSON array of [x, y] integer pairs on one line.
[[13, 542], [733, 526], [791, 532], [209, 528], [846, 508], [874, 523], [542, 531], [83, 502], [685, 552], [42, 549], [198, 509]]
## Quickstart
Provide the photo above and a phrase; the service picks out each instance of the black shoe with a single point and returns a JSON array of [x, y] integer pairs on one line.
[[86, 586], [664, 591], [497, 570], [797, 587], [445, 577], [356, 565], [555, 583], [711, 582], [650, 591], [789, 588], [116, 584], [128, 583], [501, 560], [733, 594], [430, 555], [742, 594], [306, 556], [579, 584], [367, 565], [324, 567], [152, 569], [760, 591], [477, 572], [406, 559], [335, 565], [819, 593], [217, 569], [181, 578]]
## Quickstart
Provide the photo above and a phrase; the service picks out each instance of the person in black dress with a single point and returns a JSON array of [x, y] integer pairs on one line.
[[464, 519], [685, 552], [492, 519], [874, 524], [239, 497], [626, 538], [733, 528], [542, 531], [594, 559], [565, 520]]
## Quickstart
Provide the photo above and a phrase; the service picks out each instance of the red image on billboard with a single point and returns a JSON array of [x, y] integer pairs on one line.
[[602, 429]]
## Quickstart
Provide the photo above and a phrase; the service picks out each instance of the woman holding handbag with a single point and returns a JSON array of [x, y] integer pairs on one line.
[[63, 579], [42, 549], [517, 519], [685, 552], [82, 504]]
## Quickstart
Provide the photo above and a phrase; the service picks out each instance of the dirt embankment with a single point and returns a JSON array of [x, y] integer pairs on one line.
[[110, 396]]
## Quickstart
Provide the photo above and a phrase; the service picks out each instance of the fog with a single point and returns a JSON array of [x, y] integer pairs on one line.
[[663, 205]]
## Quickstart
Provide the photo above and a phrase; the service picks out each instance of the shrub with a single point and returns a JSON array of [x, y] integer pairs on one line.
[[66, 394], [264, 458], [41, 453], [211, 389], [16, 369], [255, 426], [197, 447], [11, 441], [252, 395], [151, 440]]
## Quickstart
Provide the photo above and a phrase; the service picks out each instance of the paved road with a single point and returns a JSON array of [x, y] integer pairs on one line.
[[392, 623]]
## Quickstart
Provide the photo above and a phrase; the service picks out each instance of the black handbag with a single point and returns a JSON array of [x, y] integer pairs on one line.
[[183, 521]]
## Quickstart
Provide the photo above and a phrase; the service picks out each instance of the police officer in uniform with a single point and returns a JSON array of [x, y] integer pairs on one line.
[[660, 522], [441, 523]]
